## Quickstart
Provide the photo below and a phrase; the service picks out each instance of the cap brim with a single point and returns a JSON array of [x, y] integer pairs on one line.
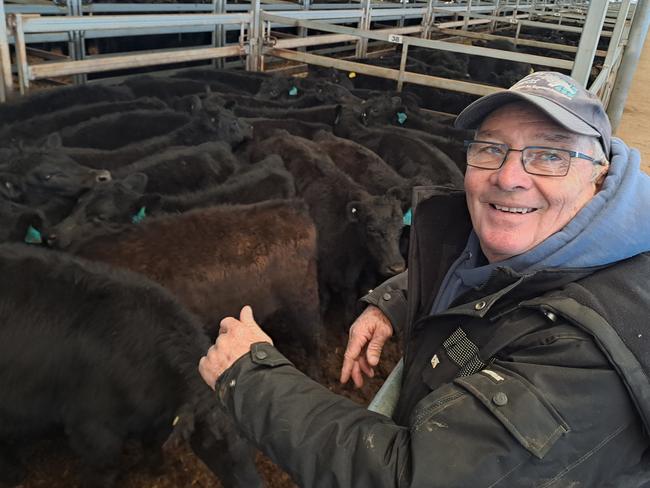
[[472, 116]]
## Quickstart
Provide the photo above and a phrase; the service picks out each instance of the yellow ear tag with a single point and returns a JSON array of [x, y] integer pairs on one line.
[[176, 419], [352, 74]]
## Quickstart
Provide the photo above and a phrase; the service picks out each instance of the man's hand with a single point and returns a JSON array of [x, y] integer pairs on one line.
[[235, 339], [368, 335]]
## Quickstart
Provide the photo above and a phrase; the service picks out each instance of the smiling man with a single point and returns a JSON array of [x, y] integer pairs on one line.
[[523, 314]]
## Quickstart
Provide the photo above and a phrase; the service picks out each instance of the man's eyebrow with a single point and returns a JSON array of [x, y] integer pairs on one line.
[[555, 137], [540, 136]]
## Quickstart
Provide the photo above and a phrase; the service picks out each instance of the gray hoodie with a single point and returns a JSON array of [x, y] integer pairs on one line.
[[613, 226]]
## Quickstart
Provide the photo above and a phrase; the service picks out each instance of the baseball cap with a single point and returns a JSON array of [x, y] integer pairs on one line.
[[557, 95]]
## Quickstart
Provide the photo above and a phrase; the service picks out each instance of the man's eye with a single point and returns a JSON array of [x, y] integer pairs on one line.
[[547, 156], [492, 150]]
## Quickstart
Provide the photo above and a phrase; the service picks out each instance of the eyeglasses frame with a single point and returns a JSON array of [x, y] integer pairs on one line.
[[572, 154]]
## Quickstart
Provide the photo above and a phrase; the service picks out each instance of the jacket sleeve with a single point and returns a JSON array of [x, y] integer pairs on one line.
[[489, 429], [390, 297]]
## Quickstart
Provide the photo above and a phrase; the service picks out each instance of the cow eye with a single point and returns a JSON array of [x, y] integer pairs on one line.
[[8, 185], [47, 177]]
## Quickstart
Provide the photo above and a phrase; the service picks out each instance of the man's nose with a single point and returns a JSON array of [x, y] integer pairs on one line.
[[511, 175]]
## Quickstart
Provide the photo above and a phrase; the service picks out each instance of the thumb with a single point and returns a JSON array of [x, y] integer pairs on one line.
[[246, 316], [373, 352]]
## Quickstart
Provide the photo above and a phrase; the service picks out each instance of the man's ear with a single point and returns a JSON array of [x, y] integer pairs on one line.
[[599, 175]]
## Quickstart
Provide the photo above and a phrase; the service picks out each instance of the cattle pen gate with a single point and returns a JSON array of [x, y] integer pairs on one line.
[[325, 34]]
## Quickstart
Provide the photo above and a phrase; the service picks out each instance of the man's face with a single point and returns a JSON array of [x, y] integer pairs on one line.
[[549, 203]]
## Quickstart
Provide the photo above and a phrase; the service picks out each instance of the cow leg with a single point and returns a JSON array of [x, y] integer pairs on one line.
[[12, 470], [230, 458], [152, 443], [99, 447]]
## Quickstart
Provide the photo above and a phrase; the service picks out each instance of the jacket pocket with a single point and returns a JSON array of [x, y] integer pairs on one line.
[[516, 403]]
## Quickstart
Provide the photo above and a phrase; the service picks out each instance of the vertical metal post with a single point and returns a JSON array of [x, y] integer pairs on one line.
[[514, 12], [21, 54], [254, 61], [497, 7], [400, 23], [617, 34], [218, 40], [76, 44], [364, 24], [6, 79], [302, 31], [466, 19], [631, 55], [427, 20], [589, 41], [402, 67], [517, 32]]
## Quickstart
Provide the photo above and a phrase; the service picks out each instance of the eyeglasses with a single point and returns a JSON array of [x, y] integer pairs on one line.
[[536, 160]]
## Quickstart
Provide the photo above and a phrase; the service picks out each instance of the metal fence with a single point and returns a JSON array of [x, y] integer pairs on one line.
[[321, 24]]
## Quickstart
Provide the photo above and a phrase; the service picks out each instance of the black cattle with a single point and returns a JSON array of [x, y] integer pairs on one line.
[[10, 186], [437, 131], [498, 71], [322, 114], [48, 181], [331, 75], [265, 127], [102, 355], [39, 127], [184, 169], [217, 259], [247, 81], [20, 223], [366, 168], [169, 88], [355, 229], [303, 92], [105, 210], [119, 139], [402, 149], [266, 180], [59, 99]]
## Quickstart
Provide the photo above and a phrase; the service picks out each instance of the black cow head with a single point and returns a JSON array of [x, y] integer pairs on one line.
[[104, 210], [221, 121], [63, 177], [379, 222]]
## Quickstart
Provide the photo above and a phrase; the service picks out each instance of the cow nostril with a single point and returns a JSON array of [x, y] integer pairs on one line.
[[397, 268], [52, 238], [103, 177]]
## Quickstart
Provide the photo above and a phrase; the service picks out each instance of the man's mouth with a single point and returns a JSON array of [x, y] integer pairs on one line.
[[517, 210]]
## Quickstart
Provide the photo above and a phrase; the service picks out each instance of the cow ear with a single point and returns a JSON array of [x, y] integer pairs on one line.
[[196, 105], [54, 140], [151, 202], [353, 211], [397, 192], [136, 182]]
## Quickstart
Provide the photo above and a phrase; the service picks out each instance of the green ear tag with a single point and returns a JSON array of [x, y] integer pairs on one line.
[[293, 92], [139, 217], [407, 217], [401, 118], [33, 236]]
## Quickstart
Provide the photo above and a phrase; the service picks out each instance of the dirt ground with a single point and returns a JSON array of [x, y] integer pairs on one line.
[[635, 124]]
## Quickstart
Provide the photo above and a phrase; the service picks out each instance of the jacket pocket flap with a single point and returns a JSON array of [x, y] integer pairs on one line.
[[521, 409]]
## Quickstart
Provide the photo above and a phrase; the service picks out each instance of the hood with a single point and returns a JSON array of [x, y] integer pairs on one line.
[[612, 227]]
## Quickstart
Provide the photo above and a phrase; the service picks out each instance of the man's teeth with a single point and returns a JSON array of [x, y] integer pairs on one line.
[[521, 210]]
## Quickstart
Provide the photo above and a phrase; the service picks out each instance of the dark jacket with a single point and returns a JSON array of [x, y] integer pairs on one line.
[[528, 381]]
